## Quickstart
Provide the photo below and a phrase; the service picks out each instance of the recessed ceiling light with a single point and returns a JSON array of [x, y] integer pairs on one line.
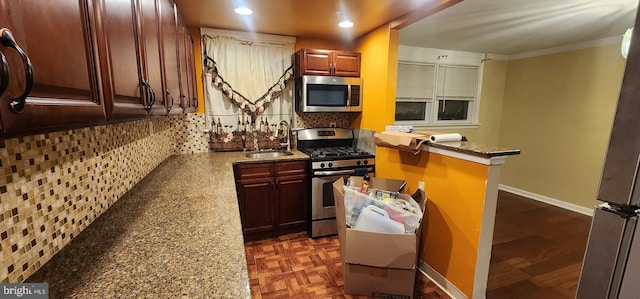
[[243, 10], [345, 24]]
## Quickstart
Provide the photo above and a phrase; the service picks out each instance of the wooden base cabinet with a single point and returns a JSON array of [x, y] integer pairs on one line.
[[272, 197]]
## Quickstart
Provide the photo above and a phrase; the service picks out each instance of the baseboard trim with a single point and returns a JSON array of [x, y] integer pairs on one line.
[[441, 281], [548, 200]]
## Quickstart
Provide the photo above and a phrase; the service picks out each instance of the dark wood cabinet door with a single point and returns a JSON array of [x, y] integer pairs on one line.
[[187, 69], [183, 60], [55, 36], [313, 62], [255, 199], [121, 66], [272, 198], [149, 39], [191, 65], [171, 67], [346, 64], [292, 201]]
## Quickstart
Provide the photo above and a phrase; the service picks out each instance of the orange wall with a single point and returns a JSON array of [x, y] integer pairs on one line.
[[197, 54], [455, 188], [379, 50], [456, 191]]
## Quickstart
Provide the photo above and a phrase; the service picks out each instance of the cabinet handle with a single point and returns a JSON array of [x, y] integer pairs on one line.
[[147, 94], [150, 95], [17, 104], [182, 98], [195, 100], [153, 97], [4, 73], [170, 96]]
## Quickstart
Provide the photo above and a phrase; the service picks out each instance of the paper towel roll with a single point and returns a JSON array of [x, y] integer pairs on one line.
[[445, 137]]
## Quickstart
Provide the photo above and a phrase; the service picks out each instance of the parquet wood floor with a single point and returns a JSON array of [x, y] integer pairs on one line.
[[537, 253], [296, 266]]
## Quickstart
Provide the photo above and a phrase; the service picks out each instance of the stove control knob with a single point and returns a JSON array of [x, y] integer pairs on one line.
[[358, 162], [330, 164], [366, 162], [321, 165]]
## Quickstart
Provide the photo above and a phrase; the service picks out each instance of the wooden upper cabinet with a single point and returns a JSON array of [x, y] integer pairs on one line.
[[149, 39], [64, 85], [188, 100], [121, 66], [182, 61], [72, 63], [193, 96], [129, 43], [171, 66], [346, 64], [327, 63]]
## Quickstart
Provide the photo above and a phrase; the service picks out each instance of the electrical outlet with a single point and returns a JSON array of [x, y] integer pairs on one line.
[[421, 185], [332, 124]]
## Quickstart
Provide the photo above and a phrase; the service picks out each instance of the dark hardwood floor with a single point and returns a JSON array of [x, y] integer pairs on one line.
[[537, 253], [537, 250]]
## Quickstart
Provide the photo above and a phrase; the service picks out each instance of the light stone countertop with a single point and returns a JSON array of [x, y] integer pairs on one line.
[[176, 234]]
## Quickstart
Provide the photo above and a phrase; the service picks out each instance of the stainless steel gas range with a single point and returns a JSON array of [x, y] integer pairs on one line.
[[333, 156]]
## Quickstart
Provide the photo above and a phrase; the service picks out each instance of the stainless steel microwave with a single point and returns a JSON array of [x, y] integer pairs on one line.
[[328, 94]]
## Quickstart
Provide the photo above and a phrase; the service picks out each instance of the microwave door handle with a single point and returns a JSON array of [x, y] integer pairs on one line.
[[349, 97]]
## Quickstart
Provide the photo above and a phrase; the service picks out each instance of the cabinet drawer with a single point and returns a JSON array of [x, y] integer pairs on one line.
[[252, 171], [290, 168]]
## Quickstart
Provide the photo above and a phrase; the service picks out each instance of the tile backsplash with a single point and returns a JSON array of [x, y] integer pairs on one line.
[[322, 119], [53, 185]]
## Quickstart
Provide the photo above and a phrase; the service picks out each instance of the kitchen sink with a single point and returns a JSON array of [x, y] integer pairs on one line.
[[268, 154]]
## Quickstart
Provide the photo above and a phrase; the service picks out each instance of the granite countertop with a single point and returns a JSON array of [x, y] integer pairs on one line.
[[475, 149], [176, 234], [420, 140]]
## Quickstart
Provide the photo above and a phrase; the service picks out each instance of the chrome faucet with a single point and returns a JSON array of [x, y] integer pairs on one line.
[[286, 129]]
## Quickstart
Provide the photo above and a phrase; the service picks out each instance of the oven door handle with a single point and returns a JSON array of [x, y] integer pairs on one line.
[[338, 172]]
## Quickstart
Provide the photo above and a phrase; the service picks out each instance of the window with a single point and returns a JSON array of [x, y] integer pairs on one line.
[[432, 94]]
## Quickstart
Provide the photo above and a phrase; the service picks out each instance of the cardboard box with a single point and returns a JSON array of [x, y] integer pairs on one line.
[[377, 264], [379, 183]]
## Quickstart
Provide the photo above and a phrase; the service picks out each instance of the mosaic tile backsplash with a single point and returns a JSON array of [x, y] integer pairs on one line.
[[322, 119], [52, 186]]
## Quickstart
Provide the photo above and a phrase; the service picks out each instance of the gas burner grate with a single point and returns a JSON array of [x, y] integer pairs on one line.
[[342, 152]]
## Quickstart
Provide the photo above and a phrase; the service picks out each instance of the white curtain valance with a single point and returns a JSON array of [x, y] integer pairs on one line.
[[251, 74]]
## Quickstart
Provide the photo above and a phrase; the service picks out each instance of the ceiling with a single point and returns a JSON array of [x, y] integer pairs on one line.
[[301, 18], [504, 27], [511, 27]]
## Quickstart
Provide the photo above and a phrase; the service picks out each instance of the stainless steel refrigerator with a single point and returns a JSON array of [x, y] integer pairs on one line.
[[611, 266]]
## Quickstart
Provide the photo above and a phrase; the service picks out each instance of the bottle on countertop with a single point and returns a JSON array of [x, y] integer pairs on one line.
[[247, 127], [219, 127], [364, 188]]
